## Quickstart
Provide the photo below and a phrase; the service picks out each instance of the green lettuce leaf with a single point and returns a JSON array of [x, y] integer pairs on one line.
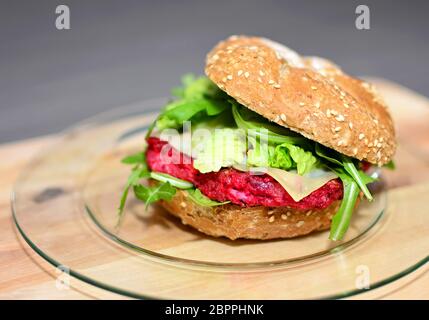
[[284, 156], [222, 148], [287, 156]]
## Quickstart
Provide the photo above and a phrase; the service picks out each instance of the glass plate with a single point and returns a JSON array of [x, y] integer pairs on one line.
[[65, 202]]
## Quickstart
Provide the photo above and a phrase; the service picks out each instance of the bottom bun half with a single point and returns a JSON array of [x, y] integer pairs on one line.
[[259, 222]]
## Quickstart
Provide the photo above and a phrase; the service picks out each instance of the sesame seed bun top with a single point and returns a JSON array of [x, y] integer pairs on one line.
[[309, 95]]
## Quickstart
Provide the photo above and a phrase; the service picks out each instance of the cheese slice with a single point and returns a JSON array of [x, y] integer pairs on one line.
[[301, 186]]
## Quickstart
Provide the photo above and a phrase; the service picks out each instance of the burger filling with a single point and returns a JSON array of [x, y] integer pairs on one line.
[[238, 187], [218, 151]]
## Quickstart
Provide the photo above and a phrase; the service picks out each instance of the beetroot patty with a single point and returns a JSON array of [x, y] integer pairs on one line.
[[239, 187]]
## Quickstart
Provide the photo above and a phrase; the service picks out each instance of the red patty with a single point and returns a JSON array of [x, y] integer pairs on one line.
[[239, 187]]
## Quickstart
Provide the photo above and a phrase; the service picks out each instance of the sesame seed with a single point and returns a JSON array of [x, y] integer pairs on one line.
[[351, 126], [277, 86], [283, 117], [223, 79], [340, 143], [300, 224], [284, 217], [271, 82], [334, 112], [301, 104], [215, 57], [270, 212], [355, 150], [183, 204], [366, 141], [340, 118], [313, 88], [277, 118], [259, 80], [271, 219], [379, 145], [246, 74], [337, 129], [240, 72], [229, 77], [370, 145], [261, 73], [317, 104], [328, 113]]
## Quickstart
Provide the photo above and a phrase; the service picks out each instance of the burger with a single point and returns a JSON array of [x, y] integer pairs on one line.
[[269, 144]]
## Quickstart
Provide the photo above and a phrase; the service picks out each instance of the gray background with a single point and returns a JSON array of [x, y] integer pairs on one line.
[[119, 52]]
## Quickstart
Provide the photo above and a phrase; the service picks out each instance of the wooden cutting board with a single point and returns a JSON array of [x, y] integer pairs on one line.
[[24, 275]]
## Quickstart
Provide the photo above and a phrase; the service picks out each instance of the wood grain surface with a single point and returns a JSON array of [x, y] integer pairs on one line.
[[25, 275]]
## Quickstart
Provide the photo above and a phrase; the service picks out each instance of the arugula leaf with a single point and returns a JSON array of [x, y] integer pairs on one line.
[[341, 220], [361, 178], [347, 163], [325, 154], [175, 182], [148, 194], [136, 158], [184, 110], [198, 95], [196, 196], [271, 131], [390, 165], [133, 179], [187, 79], [200, 87]]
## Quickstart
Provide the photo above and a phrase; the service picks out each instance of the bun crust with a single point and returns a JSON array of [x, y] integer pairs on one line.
[[309, 95], [235, 222]]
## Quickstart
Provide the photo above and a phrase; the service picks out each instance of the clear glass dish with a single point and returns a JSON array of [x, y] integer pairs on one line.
[[65, 203]]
